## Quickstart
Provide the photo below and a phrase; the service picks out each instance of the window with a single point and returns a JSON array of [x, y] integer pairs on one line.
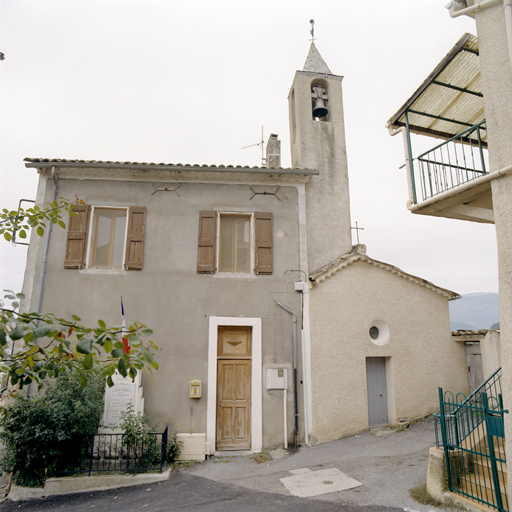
[[116, 237], [234, 250], [244, 245], [107, 249]]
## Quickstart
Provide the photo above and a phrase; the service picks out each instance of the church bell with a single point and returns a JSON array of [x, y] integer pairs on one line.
[[319, 110]]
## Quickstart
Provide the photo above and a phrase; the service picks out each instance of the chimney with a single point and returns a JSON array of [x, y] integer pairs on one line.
[[273, 152]]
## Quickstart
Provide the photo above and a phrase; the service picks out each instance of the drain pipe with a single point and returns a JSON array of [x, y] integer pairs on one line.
[[46, 247], [45, 259], [507, 9], [294, 341]]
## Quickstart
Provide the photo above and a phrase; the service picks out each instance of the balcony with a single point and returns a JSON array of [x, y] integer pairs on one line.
[[452, 178], [453, 163]]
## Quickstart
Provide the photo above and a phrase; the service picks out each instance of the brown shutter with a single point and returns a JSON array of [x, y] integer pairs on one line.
[[76, 244], [206, 243], [135, 237], [263, 235]]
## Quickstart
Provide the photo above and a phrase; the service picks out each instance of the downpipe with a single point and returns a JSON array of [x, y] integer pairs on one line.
[[507, 8], [295, 391]]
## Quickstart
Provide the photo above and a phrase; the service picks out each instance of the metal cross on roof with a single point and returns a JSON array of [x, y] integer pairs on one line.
[[312, 31], [357, 229]]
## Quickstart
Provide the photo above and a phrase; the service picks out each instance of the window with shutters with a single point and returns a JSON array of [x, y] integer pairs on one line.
[[108, 241], [102, 237], [235, 243]]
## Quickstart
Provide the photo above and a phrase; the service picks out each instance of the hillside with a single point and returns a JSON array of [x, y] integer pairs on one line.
[[474, 311]]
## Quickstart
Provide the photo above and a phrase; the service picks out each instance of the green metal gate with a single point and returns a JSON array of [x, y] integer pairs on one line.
[[473, 435]]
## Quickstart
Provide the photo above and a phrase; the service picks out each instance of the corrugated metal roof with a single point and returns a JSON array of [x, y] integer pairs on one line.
[[451, 98]]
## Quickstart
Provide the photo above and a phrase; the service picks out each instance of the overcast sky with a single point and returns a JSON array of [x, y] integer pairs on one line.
[[194, 81]]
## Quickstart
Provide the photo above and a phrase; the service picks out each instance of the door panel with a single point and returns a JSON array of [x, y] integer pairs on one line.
[[233, 404], [377, 391]]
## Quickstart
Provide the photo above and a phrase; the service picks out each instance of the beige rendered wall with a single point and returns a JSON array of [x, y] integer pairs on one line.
[[420, 352], [490, 347], [496, 69], [321, 145], [170, 297]]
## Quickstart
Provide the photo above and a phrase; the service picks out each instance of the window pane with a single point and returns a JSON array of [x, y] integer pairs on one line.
[[234, 244], [109, 234], [242, 246]]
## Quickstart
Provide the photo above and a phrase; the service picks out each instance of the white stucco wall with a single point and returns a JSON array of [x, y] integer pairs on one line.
[[421, 355]]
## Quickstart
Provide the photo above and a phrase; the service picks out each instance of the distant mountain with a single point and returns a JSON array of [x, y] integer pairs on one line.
[[474, 311]]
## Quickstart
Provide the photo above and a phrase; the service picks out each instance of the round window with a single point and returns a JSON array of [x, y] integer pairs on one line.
[[374, 332], [379, 332]]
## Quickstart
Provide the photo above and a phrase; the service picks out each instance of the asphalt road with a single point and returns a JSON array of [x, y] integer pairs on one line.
[[187, 492]]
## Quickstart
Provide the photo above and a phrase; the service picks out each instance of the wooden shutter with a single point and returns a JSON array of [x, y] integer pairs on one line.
[[263, 237], [135, 237], [76, 245], [206, 243]]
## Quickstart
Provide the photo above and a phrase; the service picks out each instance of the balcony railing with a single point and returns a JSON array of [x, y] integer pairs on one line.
[[455, 162]]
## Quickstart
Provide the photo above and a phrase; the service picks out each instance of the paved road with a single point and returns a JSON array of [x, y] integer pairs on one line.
[[185, 492], [387, 465]]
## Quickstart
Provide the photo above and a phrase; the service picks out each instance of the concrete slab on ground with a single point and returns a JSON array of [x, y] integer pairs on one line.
[[313, 483]]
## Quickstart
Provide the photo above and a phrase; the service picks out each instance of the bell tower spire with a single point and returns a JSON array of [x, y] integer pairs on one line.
[[317, 136]]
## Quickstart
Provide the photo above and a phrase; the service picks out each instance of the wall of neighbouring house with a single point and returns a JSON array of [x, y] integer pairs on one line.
[[420, 355], [169, 296], [491, 353]]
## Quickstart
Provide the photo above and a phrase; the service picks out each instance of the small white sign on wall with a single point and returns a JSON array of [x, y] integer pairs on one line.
[[277, 378]]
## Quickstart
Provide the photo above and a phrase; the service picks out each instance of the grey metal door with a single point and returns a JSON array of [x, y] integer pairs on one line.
[[377, 391], [474, 362]]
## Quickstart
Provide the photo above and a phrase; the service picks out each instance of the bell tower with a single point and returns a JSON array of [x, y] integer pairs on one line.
[[317, 136]]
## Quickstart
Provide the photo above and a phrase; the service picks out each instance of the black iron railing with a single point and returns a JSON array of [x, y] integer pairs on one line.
[[115, 453]]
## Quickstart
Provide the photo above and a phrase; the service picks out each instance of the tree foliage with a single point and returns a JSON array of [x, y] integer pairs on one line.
[[34, 346], [40, 432], [20, 221]]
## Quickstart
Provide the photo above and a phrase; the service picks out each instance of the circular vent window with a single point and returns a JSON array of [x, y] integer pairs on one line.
[[379, 332]]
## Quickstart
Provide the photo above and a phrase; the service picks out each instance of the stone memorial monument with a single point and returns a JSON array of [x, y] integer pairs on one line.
[[123, 394]]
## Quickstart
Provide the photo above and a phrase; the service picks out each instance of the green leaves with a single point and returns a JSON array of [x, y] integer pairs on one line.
[[48, 346], [18, 222], [84, 346]]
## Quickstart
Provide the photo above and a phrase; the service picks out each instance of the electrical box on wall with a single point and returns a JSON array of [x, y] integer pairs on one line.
[[195, 389], [276, 378]]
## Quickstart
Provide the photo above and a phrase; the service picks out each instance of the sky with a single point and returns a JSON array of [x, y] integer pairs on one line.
[[193, 82]]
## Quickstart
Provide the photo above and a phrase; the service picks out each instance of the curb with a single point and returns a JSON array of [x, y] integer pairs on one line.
[[72, 485]]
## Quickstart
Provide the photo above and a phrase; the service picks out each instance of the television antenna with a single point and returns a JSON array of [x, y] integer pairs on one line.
[[262, 145]]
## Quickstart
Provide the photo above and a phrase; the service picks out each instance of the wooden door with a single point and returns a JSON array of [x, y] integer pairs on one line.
[[377, 391], [234, 388]]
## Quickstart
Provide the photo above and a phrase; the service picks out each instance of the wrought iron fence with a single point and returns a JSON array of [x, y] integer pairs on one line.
[[459, 160], [472, 434], [115, 453]]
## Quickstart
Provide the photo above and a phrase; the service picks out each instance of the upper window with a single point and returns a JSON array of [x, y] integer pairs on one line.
[[244, 243], [108, 243], [113, 238], [235, 244]]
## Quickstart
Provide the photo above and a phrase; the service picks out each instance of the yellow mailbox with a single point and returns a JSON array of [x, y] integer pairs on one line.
[[195, 389]]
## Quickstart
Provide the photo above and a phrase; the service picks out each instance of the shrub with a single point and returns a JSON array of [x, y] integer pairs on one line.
[[173, 448], [41, 432], [141, 444]]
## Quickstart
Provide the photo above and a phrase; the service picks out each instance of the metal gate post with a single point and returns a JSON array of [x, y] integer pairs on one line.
[[492, 454], [443, 437]]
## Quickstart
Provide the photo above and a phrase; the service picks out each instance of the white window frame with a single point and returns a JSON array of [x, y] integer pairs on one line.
[[252, 244], [91, 233]]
